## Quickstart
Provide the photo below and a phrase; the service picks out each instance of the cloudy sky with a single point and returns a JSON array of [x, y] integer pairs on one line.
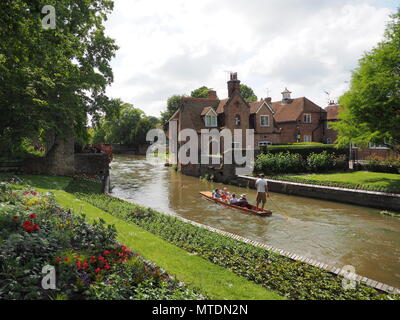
[[171, 47]]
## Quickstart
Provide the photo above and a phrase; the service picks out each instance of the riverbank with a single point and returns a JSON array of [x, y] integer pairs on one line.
[[295, 185], [197, 273], [294, 280]]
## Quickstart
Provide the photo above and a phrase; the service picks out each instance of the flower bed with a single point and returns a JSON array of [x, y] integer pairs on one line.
[[89, 263], [294, 280]]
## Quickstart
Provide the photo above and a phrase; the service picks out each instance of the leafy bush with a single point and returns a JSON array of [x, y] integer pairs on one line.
[[90, 264], [378, 164], [279, 163], [294, 280], [305, 149], [319, 162]]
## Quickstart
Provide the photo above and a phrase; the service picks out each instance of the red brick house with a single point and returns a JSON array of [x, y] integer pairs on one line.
[[286, 121], [331, 136]]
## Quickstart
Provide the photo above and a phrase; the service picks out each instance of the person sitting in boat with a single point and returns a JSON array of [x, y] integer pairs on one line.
[[225, 195], [217, 194], [233, 199], [242, 202]]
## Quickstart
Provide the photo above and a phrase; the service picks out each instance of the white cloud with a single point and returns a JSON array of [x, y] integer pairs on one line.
[[172, 47]]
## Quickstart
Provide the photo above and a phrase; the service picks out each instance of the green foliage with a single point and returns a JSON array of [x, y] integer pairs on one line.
[[319, 162], [273, 163], [52, 79], [89, 263], [247, 93], [173, 104], [371, 108], [361, 180], [129, 127], [279, 163], [201, 92], [377, 164], [305, 149], [294, 280]]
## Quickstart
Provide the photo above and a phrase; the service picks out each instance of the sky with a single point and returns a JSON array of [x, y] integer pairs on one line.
[[172, 47]]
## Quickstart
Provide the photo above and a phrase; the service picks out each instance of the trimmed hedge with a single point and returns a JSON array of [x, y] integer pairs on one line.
[[377, 164], [294, 280], [306, 149]]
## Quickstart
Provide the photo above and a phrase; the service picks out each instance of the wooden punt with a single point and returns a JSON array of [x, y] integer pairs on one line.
[[254, 211]]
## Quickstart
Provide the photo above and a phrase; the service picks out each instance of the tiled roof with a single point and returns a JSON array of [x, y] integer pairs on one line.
[[333, 111], [206, 110], [221, 105], [292, 111]]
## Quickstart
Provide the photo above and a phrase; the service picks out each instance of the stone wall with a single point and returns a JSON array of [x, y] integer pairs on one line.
[[91, 164], [380, 200]]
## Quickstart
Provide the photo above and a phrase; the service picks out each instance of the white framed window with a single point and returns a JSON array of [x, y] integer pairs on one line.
[[307, 118], [264, 143], [264, 121], [307, 138], [237, 120], [377, 146], [210, 120]]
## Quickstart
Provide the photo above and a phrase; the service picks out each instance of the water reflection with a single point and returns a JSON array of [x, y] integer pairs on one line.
[[337, 234]]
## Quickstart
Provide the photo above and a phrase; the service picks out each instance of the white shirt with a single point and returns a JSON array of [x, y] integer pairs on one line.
[[261, 185]]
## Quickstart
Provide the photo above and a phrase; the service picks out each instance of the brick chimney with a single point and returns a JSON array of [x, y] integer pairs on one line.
[[268, 100], [212, 95], [233, 85]]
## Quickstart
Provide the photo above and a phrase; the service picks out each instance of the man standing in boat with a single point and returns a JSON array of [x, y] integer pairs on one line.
[[262, 191]]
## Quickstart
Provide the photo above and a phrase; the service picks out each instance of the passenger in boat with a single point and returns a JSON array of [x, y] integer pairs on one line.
[[217, 194], [242, 202], [225, 195], [233, 199]]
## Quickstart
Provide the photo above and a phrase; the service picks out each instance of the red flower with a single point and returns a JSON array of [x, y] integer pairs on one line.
[[78, 264], [36, 227], [66, 258], [32, 216], [85, 266], [27, 223], [58, 259], [107, 267], [97, 270]]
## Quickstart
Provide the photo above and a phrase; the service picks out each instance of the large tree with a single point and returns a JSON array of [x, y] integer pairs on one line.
[[173, 104], [129, 126], [371, 108], [247, 93], [201, 92], [51, 79]]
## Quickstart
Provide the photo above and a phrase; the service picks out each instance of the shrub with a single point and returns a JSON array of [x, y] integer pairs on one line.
[[305, 149], [279, 163], [319, 162], [378, 164]]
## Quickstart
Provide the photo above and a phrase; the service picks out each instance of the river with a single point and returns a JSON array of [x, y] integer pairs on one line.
[[334, 233]]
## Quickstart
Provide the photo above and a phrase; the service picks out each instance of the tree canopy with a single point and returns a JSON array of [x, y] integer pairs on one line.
[[247, 93], [51, 79], [201, 92], [371, 108], [129, 127], [173, 104]]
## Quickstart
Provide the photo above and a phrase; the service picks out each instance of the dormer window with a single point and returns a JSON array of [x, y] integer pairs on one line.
[[237, 120], [210, 120]]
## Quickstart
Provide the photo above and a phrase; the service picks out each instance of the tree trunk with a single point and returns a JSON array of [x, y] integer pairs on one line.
[[60, 158]]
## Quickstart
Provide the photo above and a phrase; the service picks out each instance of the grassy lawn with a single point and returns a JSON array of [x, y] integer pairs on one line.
[[210, 279], [369, 180]]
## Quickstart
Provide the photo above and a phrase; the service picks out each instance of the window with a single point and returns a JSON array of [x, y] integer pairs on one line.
[[211, 121], [264, 121], [329, 141], [237, 120], [307, 118], [377, 146], [307, 139], [264, 143]]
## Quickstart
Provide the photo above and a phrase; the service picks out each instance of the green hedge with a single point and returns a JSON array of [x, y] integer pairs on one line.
[[294, 280], [286, 162], [306, 149], [390, 165]]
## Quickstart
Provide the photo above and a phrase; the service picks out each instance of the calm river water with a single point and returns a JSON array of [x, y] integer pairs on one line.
[[333, 233]]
